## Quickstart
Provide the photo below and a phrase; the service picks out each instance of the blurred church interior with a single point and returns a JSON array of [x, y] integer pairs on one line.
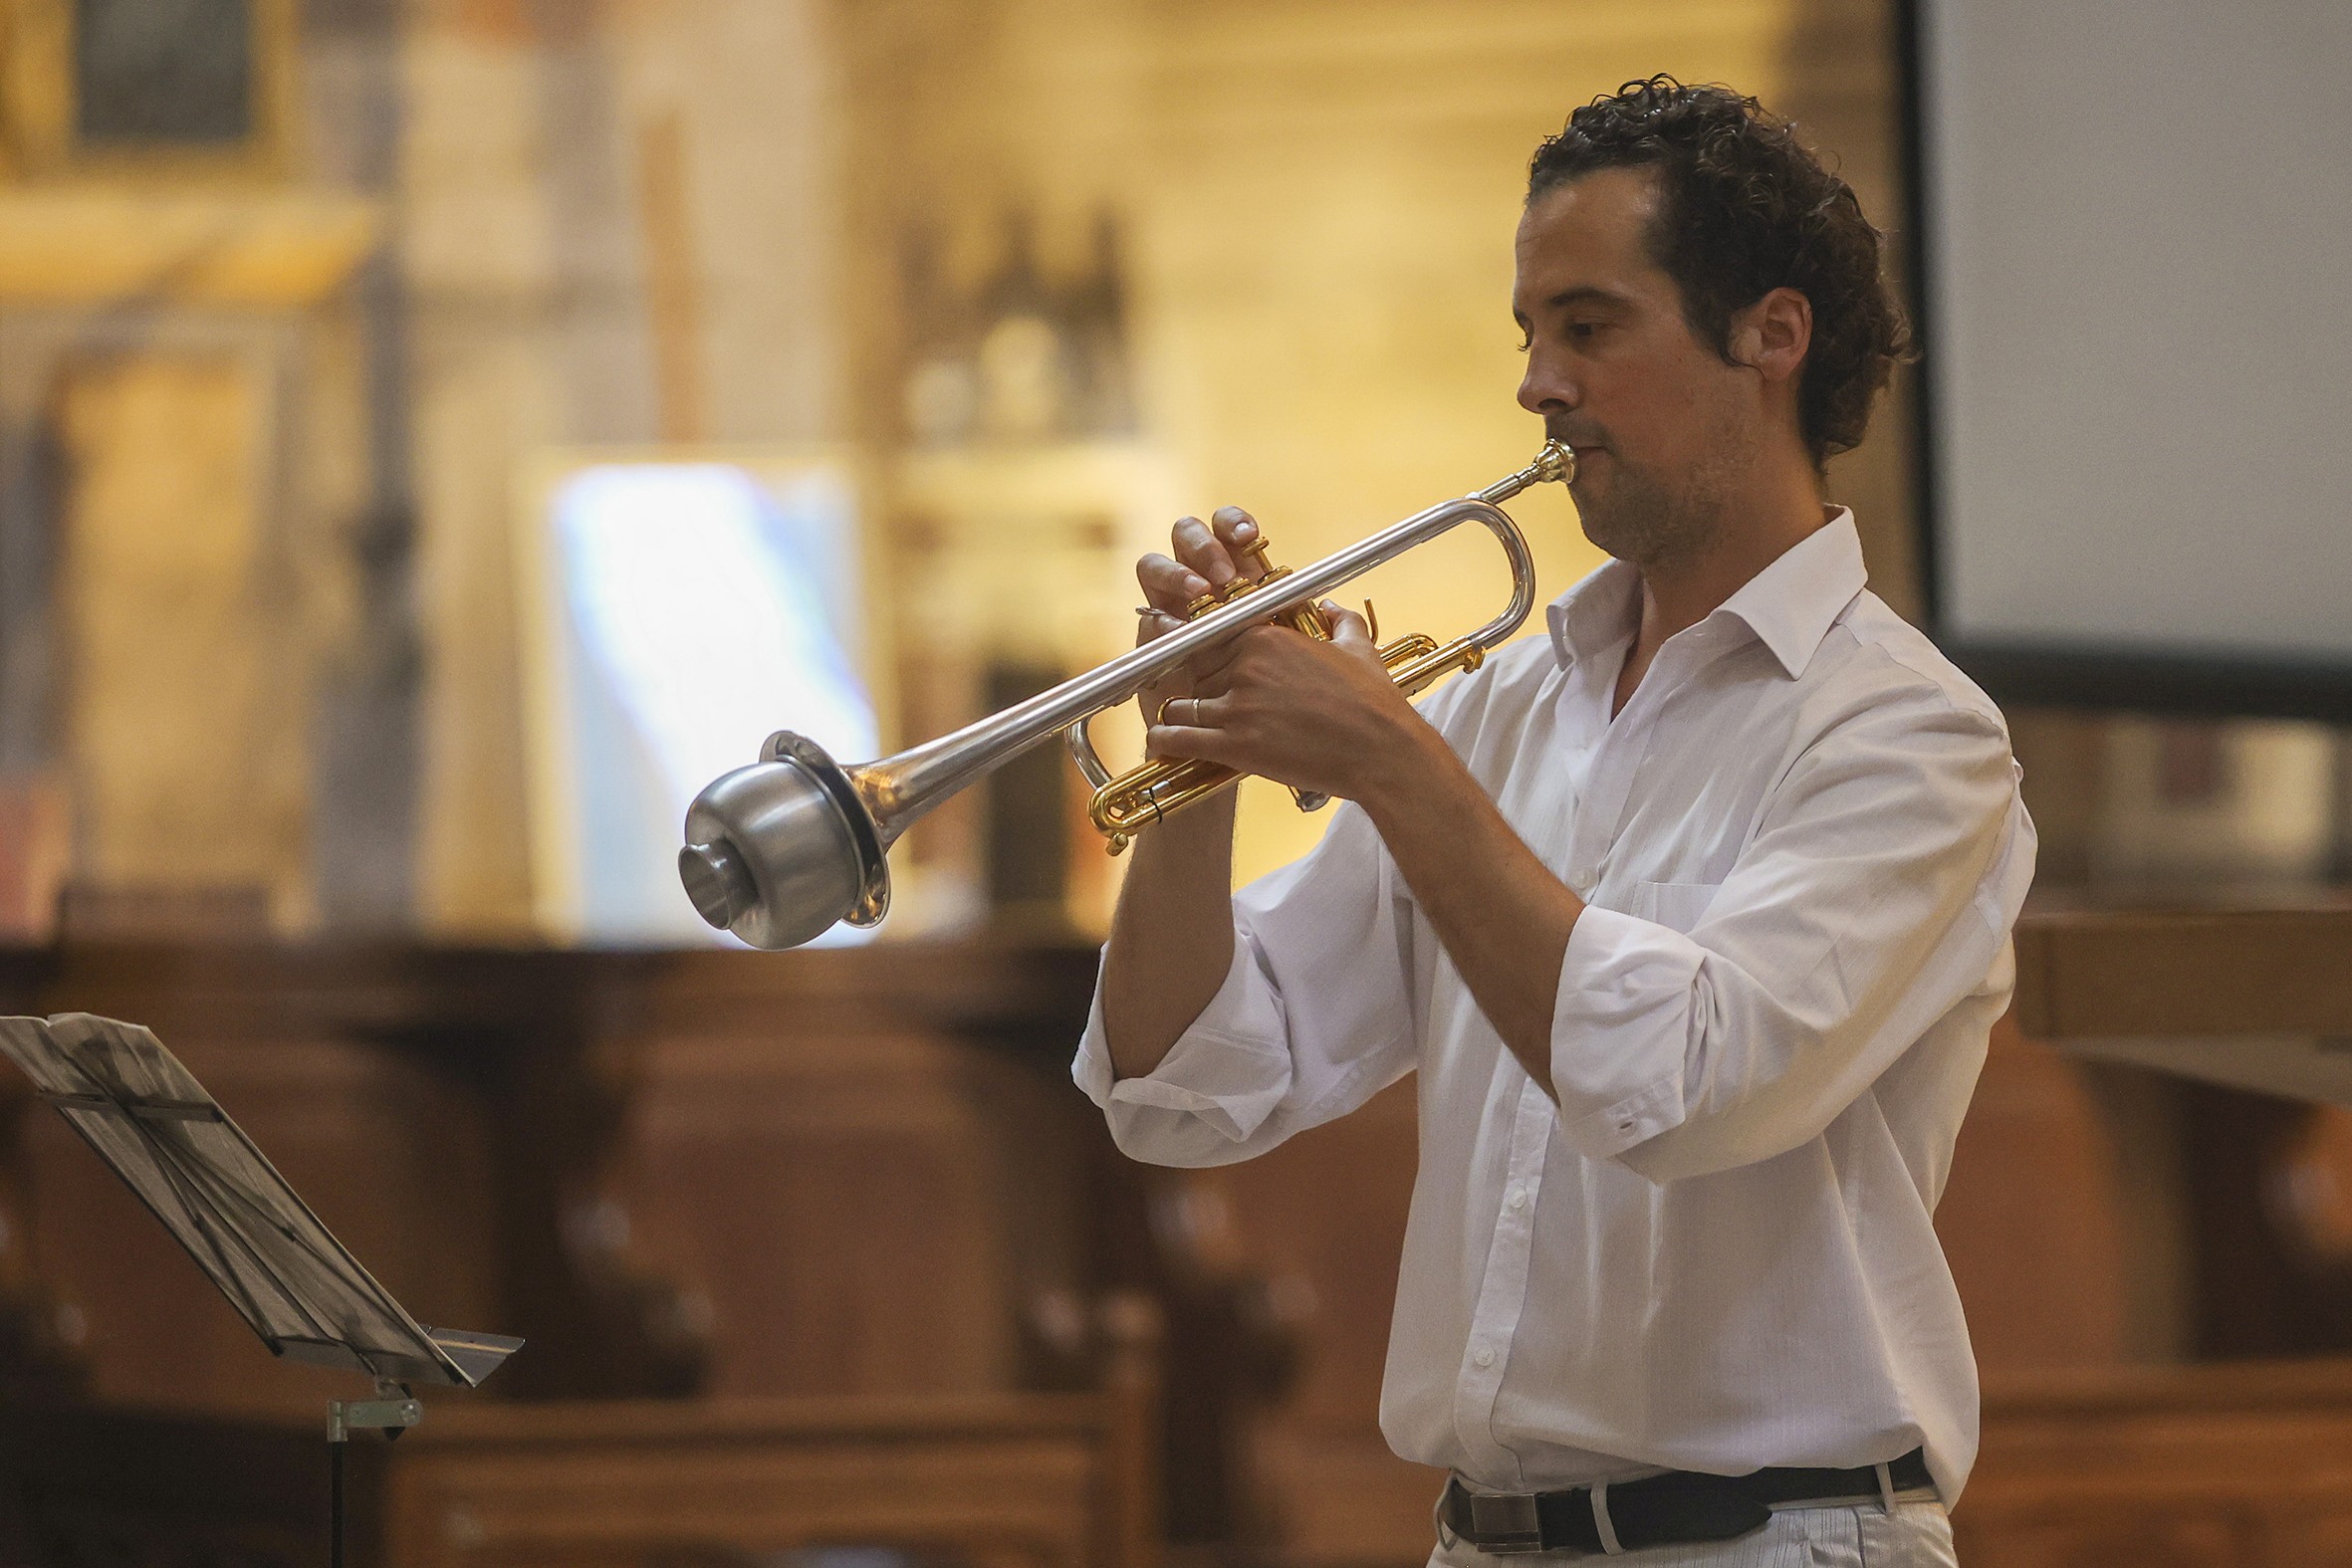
[[438, 436]]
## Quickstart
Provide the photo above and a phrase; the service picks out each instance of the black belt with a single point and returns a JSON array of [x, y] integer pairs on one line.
[[1658, 1510]]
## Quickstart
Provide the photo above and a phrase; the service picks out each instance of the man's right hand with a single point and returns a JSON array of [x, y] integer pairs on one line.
[[1207, 557], [1171, 942]]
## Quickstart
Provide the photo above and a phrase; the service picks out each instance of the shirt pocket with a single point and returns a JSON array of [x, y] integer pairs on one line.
[[1677, 905]]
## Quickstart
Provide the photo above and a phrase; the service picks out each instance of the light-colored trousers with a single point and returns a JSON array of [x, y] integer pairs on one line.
[[1915, 1535]]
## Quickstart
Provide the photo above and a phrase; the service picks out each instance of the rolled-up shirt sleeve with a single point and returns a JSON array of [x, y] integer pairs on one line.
[[1312, 1019], [1876, 893]]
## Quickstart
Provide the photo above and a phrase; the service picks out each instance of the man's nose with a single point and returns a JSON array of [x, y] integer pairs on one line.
[[1542, 391]]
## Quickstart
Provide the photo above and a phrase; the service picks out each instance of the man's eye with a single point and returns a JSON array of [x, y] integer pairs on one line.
[[1527, 341], [1580, 331]]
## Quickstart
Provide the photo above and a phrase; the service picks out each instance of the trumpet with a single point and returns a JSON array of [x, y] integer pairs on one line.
[[779, 850]]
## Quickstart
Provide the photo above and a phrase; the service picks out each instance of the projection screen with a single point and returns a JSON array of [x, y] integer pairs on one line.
[[2132, 272]]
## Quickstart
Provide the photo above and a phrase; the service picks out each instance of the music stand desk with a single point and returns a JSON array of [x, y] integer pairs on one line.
[[298, 1287]]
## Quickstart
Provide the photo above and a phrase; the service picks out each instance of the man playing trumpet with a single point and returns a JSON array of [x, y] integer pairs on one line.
[[1692, 917]]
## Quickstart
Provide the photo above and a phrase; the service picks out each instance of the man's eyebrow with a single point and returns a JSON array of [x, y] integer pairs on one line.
[[1570, 299], [1584, 293]]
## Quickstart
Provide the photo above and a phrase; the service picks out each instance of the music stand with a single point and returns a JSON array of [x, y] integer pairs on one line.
[[292, 1281]]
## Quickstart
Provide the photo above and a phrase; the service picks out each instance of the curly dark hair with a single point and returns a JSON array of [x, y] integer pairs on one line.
[[1746, 208]]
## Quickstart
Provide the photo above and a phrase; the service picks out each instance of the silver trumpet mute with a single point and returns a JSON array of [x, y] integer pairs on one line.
[[780, 851]]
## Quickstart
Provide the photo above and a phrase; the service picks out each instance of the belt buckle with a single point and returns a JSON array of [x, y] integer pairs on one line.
[[1506, 1525]]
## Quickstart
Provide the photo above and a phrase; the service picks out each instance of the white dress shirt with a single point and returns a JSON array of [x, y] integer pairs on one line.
[[1802, 849]]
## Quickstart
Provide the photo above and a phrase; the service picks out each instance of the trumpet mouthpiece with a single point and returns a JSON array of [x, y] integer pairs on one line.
[[1554, 462]]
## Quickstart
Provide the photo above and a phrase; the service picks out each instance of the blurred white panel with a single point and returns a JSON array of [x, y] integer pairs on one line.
[[683, 611], [2142, 330]]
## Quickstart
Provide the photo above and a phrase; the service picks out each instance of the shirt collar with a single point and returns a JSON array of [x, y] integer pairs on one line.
[[1789, 605], [1596, 614]]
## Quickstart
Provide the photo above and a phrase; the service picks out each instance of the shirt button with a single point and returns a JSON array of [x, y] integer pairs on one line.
[[1518, 1197], [1485, 1358]]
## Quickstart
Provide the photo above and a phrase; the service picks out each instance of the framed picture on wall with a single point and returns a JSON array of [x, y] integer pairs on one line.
[[164, 87]]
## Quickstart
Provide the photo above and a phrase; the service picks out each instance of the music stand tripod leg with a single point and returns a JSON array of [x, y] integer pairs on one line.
[[393, 1411]]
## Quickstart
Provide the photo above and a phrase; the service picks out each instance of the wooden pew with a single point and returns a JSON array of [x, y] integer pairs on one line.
[[1001, 1480], [991, 1480], [2244, 1465]]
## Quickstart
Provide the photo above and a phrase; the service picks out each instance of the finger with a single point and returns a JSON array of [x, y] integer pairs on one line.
[[1201, 711], [1348, 629], [1212, 683], [1182, 740], [1197, 546], [1237, 531], [1261, 644], [1169, 585], [1151, 624], [1212, 668]]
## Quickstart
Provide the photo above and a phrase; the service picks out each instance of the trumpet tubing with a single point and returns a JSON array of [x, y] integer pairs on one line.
[[779, 850]]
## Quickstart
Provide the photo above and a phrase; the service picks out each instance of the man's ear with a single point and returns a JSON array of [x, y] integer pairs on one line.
[[1772, 335]]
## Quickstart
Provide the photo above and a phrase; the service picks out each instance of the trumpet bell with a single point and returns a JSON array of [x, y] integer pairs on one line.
[[779, 851]]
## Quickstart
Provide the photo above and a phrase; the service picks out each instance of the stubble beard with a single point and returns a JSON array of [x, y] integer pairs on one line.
[[1661, 521], [1641, 519]]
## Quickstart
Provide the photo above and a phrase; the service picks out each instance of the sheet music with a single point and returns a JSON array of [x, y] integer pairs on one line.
[[301, 1291]]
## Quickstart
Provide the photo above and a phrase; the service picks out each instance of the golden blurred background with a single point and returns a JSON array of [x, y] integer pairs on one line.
[[287, 404], [282, 407], [421, 423]]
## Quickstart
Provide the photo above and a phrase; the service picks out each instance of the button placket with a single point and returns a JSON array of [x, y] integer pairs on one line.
[[1546, 800], [1596, 817], [1609, 785], [1686, 657], [1580, 735], [1502, 1292]]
